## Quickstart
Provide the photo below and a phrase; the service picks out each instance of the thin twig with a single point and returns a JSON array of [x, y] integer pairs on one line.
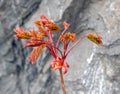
[[60, 36], [62, 81], [79, 40]]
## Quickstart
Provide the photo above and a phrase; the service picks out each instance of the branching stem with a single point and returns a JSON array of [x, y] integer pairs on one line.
[[79, 40], [57, 44]]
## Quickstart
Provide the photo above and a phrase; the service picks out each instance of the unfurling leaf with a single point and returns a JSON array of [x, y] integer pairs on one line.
[[94, 38], [57, 63], [65, 66], [53, 27], [36, 53], [66, 25], [34, 33], [37, 23], [68, 36], [34, 42], [21, 33]]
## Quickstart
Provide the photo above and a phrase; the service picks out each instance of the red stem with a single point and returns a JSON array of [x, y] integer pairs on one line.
[[65, 47], [58, 50], [60, 37], [52, 43], [79, 40], [62, 81], [51, 51]]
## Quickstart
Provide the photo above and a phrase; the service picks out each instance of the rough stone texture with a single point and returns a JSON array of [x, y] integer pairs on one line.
[[93, 69]]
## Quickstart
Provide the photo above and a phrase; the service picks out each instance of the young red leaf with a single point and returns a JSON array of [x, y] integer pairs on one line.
[[68, 36], [94, 38], [36, 53], [66, 25], [53, 27], [35, 42], [57, 63], [65, 66], [21, 33]]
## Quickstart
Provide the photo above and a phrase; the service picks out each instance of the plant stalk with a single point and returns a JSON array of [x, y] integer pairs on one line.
[[62, 81], [79, 40]]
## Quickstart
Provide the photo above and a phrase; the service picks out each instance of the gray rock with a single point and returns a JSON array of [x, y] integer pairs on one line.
[[93, 69]]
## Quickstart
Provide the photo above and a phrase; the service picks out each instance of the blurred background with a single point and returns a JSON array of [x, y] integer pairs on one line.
[[93, 69]]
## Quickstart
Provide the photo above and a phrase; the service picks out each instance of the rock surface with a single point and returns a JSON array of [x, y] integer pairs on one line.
[[93, 69]]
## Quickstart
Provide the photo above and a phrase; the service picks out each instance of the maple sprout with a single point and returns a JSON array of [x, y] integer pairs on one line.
[[44, 38]]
